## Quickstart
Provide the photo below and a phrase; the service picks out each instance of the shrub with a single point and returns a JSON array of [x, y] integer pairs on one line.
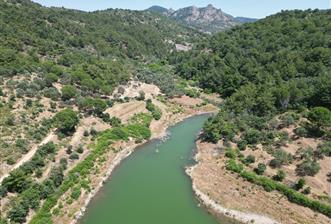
[[74, 156], [261, 167], [280, 176], [249, 159], [299, 185], [252, 136], [141, 96], [115, 122], [242, 145], [66, 120], [233, 166], [80, 149], [301, 132], [50, 78], [230, 153], [281, 158], [323, 149], [320, 116], [307, 190], [308, 168], [76, 191], [156, 112], [68, 92]]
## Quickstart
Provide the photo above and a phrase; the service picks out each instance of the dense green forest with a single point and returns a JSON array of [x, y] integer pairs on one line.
[[88, 49], [274, 65]]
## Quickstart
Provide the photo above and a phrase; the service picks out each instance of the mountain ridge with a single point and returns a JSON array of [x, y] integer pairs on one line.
[[207, 19]]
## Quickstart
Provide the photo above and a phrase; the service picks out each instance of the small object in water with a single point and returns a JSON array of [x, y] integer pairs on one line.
[[157, 150], [199, 205]]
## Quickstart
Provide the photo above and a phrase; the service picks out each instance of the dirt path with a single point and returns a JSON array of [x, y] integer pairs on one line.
[[27, 156]]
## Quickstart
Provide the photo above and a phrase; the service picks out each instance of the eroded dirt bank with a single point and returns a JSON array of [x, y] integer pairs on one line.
[[227, 194]]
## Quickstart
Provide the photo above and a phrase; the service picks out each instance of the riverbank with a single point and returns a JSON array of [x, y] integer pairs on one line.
[[159, 131], [228, 195]]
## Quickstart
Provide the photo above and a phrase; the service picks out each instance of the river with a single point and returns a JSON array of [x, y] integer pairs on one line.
[[151, 187]]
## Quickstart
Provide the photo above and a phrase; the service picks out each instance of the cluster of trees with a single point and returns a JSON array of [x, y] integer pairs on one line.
[[156, 112], [277, 64], [21, 178]]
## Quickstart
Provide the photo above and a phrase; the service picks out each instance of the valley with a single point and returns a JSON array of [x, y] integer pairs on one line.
[[93, 103]]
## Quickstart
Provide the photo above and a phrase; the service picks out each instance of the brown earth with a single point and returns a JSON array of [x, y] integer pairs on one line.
[[232, 192]]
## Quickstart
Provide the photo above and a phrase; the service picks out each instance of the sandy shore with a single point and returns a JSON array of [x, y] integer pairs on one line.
[[242, 217], [228, 195]]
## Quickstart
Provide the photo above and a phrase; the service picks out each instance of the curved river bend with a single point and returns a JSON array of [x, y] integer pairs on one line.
[[151, 187]]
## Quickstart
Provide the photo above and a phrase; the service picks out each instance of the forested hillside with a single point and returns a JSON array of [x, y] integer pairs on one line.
[[37, 39], [276, 80], [59, 70]]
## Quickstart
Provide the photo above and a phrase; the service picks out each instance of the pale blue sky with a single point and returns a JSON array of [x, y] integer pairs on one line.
[[247, 8]]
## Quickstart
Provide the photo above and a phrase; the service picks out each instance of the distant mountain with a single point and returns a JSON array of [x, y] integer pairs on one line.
[[245, 20], [158, 9], [206, 19]]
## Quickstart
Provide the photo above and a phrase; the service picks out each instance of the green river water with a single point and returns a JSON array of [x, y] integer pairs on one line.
[[151, 187]]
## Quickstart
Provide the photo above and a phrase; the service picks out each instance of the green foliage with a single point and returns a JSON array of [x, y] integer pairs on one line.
[[263, 69], [249, 159], [115, 122], [323, 149], [299, 185], [50, 78], [308, 168], [320, 116], [281, 158], [68, 92], [66, 120], [19, 179], [156, 112], [233, 166], [280, 176], [260, 168], [95, 106], [75, 193], [230, 153], [141, 118]]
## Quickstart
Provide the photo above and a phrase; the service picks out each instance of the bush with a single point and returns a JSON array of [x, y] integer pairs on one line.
[[68, 92], [74, 156], [281, 158], [115, 122], [280, 176], [308, 168], [249, 159], [233, 166], [299, 185], [156, 112], [320, 116], [252, 136], [80, 149], [301, 132], [66, 120], [323, 149], [141, 96], [76, 191], [230, 153], [242, 145], [261, 167]]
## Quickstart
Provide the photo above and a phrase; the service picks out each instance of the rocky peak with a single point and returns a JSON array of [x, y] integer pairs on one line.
[[206, 19]]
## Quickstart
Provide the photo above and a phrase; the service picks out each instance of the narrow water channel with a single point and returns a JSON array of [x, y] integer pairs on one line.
[[151, 187]]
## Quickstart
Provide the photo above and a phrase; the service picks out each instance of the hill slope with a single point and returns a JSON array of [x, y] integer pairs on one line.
[[274, 129]]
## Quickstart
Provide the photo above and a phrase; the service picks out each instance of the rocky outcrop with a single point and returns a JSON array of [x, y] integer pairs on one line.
[[206, 19]]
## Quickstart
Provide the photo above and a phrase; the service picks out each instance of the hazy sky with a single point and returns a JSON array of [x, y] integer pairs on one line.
[[247, 8]]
